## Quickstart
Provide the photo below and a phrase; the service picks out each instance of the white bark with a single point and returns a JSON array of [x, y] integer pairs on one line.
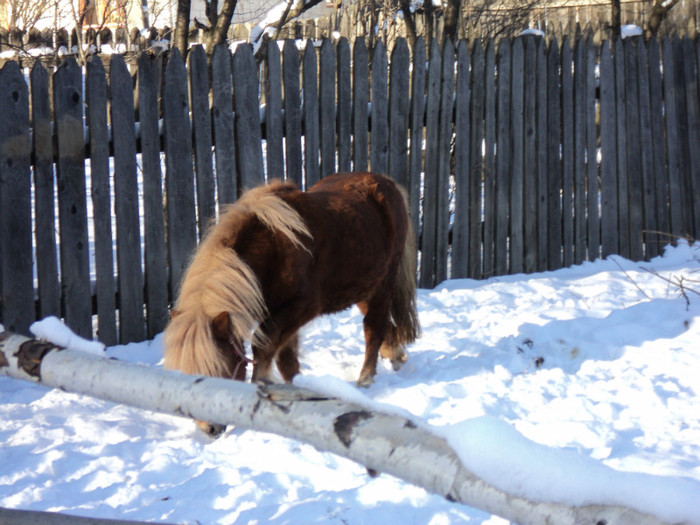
[[381, 442]]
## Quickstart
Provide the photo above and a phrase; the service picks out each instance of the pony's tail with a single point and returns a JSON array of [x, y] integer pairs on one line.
[[189, 346], [403, 307]]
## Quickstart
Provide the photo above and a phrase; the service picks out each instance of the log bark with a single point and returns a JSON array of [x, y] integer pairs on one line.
[[381, 442]]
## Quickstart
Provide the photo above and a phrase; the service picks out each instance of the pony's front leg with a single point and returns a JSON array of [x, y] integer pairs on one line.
[[262, 369], [288, 359]]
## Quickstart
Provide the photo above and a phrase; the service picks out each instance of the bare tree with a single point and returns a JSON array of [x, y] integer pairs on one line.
[[90, 21], [182, 26], [221, 23], [659, 11], [25, 14], [452, 9], [616, 18]]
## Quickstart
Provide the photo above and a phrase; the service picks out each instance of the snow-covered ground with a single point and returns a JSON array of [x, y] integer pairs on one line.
[[599, 363]]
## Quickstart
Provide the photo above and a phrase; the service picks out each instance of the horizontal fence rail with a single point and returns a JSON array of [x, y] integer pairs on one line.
[[520, 157]]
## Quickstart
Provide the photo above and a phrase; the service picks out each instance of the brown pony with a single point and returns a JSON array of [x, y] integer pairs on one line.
[[280, 257]]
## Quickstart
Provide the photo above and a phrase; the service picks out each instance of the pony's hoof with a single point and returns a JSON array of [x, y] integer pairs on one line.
[[213, 430], [398, 362], [365, 381]]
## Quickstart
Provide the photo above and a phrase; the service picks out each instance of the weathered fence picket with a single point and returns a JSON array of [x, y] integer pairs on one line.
[[181, 229], [155, 256], [327, 105], [274, 130], [517, 158], [248, 133], [517, 228], [44, 195], [201, 136], [460, 228], [126, 203], [416, 122], [530, 167], [655, 240], [399, 97], [442, 175], [503, 161], [360, 97], [567, 154], [554, 163], [428, 244], [608, 146], [379, 117], [310, 117], [96, 119], [490, 124], [72, 206], [344, 106], [292, 113], [15, 200]]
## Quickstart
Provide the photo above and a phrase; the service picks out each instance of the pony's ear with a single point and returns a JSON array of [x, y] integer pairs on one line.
[[221, 326], [174, 314]]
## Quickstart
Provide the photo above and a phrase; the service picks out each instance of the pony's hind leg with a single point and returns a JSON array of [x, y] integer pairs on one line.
[[376, 324], [394, 351]]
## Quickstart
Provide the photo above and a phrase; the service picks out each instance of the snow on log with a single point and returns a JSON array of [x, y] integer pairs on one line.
[[381, 442]]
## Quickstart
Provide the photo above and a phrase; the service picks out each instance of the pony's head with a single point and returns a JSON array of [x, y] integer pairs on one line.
[[231, 358], [231, 354]]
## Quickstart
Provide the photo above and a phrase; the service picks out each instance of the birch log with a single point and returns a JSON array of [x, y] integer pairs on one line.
[[381, 442]]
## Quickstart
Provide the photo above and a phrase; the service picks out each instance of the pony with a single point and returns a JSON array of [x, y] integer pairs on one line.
[[279, 257]]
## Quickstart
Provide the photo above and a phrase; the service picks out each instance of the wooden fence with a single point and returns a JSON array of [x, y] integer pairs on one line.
[[520, 158]]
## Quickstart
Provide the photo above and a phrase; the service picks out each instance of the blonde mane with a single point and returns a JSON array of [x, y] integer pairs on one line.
[[217, 280]]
